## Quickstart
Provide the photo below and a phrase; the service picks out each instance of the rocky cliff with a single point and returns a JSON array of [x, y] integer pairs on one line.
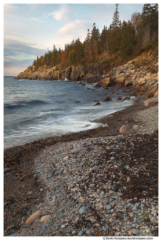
[[144, 77], [90, 73]]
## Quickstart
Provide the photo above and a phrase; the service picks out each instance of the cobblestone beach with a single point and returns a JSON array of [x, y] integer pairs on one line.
[[96, 183]]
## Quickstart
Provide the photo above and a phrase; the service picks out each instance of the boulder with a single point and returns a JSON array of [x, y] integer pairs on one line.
[[128, 83], [106, 99], [121, 78], [151, 102], [107, 82]]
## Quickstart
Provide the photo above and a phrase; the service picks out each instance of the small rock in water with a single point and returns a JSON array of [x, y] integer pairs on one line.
[[83, 210], [87, 125], [97, 103]]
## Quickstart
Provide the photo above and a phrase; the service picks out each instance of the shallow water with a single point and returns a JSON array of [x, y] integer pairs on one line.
[[37, 109]]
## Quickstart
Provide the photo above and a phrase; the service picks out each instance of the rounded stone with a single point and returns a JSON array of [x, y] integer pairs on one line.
[[135, 231], [45, 218], [83, 210], [136, 127], [124, 128], [6, 170], [33, 217], [80, 233]]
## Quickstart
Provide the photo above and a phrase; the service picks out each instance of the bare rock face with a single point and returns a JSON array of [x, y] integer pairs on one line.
[[68, 72], [56, 75], [151, 102], [33, 217]]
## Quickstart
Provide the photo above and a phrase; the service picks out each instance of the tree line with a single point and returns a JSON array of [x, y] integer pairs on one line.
[[119, 40]]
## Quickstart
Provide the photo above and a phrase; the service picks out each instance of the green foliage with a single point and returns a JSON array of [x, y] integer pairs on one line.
[[125, 39]]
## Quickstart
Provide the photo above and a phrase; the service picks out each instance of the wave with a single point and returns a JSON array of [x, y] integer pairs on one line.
[[21, 104]]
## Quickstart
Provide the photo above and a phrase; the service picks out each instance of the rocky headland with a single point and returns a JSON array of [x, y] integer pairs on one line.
[[143, 77]]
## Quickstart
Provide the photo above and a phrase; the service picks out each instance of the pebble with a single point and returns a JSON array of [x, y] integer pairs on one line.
[[135, 231], [80, 233], [83, 210], [45, 219], [6, 170], [98, 205], [136, 127], [33, 217]]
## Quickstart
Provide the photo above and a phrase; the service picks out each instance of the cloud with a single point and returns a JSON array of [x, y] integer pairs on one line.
[[9, 7], [36, 19], [13, 67], [61, 14], [15, 47]]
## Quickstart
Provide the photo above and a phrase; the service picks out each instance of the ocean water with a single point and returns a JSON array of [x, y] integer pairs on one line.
[[38, 109]]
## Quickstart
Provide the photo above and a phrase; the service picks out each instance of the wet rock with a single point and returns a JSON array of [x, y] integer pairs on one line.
[[87, 125], [97, 103], [33, 217], [119, 98], [106, 99], [126, 98]]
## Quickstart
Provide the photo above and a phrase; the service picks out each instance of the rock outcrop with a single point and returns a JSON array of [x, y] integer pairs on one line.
[[127, 75]]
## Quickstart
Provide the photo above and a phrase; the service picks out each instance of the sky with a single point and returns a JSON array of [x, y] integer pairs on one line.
[[30, 30]]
